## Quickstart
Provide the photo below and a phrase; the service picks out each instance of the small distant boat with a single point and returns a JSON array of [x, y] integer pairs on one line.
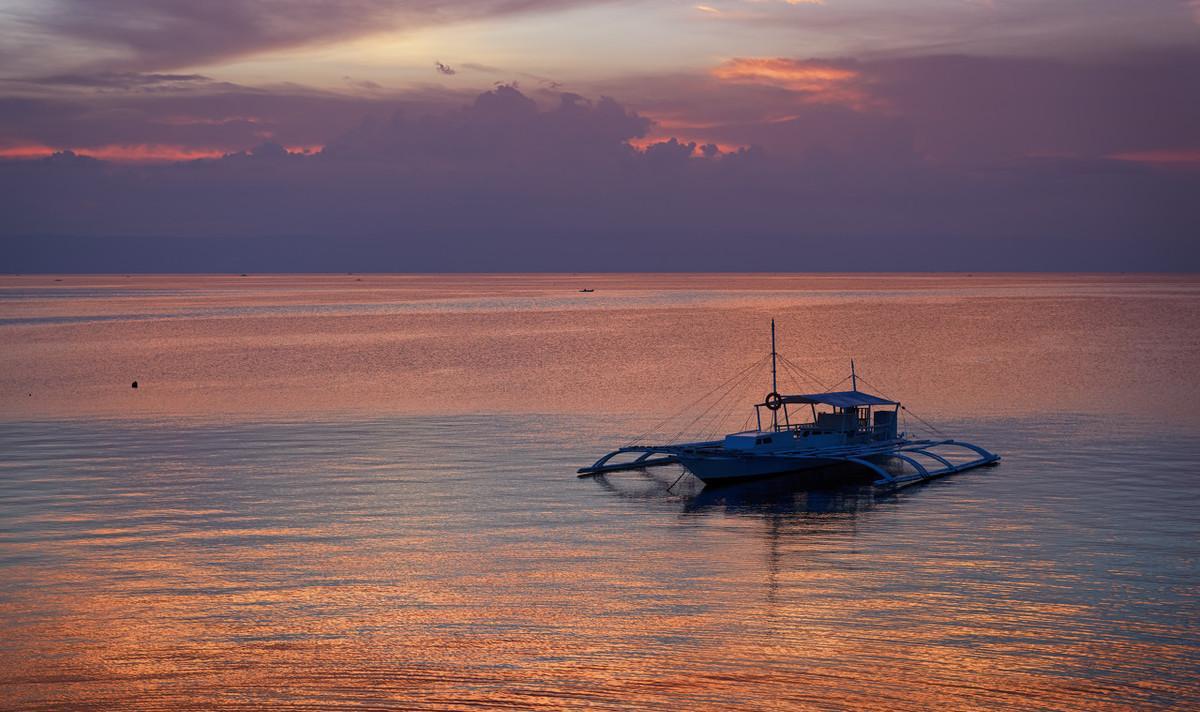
[[587, 291], [845, 431]]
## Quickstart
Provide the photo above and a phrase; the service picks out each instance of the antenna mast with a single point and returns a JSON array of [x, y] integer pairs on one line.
[[774, 384], [774, 379]]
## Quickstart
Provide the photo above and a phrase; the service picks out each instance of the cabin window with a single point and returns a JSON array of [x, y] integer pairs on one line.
[[766, 440]]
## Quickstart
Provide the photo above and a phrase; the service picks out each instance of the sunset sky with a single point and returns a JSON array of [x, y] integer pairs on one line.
[[618, 135]]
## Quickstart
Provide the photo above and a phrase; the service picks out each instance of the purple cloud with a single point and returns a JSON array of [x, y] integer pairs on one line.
[[945, 109], [205, 116], [505, 183]]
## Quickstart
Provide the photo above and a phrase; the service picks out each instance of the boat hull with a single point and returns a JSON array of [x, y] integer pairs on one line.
[[896, 463], [722, 469]]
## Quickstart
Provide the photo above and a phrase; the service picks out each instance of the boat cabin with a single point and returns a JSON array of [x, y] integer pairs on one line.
[[818, 420]]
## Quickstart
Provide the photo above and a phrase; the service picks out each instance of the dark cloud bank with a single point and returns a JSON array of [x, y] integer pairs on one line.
[[502, 184]]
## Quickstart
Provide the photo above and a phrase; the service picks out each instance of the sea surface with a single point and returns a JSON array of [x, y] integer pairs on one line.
[[359, 492]]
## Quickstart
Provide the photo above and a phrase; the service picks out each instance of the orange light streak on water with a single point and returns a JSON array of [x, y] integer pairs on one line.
[[332, 493]]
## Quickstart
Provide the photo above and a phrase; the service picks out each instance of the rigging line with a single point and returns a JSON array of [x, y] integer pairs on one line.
[[877, 388], [745, 390], [808, 375], [801, 375], [706, 427], [721, 411], [720, 398], [745, 393], [677, 479], [691, 405], [928, 424], [903, 407], [724, 395], [712, 428], [791, 375], [811, 377], [719, 423], [742, 395], [660, 424], [830, 388], [799, 378], [691, 429], [737, 385]]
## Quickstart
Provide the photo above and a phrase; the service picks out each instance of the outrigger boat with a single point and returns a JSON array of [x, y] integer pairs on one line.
[[853, 431]]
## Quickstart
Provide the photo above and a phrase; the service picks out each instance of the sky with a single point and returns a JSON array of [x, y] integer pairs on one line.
[[577, 135]]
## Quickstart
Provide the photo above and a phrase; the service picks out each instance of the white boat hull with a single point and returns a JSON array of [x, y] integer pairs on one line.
[[716, 468]]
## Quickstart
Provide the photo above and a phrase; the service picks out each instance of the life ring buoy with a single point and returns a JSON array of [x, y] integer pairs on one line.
[[773, 401]]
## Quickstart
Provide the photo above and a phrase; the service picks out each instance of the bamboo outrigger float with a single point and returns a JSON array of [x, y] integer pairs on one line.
[[851, 429]]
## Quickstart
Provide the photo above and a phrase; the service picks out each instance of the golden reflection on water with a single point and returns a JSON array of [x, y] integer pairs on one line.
[[358, 571], [266, 523]]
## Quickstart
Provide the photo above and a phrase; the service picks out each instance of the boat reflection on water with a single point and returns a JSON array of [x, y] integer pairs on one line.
[[768, 497], [783, 513], [783, 497]]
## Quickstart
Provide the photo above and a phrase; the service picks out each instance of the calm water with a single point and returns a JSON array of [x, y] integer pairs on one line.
[[334, 493]]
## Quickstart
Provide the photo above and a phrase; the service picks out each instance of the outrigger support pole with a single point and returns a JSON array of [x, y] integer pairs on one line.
[[644, 460]]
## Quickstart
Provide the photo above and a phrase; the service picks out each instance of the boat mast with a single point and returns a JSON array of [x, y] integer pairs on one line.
[[853, 377], [774, 380]]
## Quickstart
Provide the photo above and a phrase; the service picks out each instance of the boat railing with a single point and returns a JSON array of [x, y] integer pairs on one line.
[[815, 429]]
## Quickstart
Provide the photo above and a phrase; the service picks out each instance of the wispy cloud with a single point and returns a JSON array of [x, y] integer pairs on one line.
[[794, 74], [150, 35], [120, 80], [818, 81], [1060, 27]]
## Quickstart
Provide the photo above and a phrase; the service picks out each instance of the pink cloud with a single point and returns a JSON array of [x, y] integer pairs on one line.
[[818, 82]]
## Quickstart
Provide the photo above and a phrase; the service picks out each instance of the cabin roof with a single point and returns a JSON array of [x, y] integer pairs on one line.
[[839, 399]]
